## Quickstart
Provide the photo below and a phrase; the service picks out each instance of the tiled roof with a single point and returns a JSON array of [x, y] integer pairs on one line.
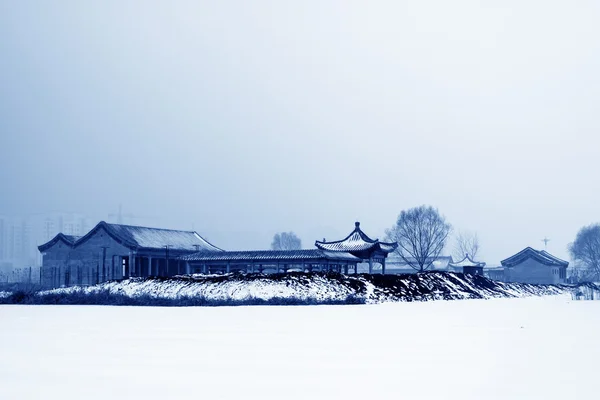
[[138, 237], [270, 255], [541, 256], [154, 238], [69, 240], [466, 262], [72, 238], [400, 260], [437, 263], [356, 241]]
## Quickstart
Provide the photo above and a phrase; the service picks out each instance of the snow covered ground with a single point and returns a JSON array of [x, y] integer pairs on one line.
[[520, 348], [318, 287]]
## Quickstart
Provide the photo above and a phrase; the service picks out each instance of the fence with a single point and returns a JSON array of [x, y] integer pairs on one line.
[[30, 275], [53, 277], [77, 275]]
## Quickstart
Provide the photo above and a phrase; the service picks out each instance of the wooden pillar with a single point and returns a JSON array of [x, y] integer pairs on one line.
[[131, 263], [228, 267], [149, 266], [104, 264], [383, 267], [188, 269], [204, 269], [346, 268], [370, 265]]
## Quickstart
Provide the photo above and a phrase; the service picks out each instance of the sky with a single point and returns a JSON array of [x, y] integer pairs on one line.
[[241, 119]]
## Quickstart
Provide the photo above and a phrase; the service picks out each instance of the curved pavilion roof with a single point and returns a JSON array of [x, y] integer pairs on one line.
[[466, 262], [357, 241]]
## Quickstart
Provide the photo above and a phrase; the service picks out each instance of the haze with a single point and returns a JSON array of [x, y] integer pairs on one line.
[[242, 119]]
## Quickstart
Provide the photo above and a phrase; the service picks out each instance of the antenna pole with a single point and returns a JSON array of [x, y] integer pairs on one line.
[[545, 240]]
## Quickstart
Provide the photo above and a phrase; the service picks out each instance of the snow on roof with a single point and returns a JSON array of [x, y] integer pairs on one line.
[[357, 240], [438, 263], [541, 256], [139, 237], [155, 238], [270, 255]]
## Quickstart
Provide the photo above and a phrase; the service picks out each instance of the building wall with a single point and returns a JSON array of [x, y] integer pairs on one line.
[[65, 266], [532, 271]]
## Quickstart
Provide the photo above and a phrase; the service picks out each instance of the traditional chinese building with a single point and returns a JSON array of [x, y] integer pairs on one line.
[[535, 266], [361, 246], [115, 251], [468, 266], [341, 256]]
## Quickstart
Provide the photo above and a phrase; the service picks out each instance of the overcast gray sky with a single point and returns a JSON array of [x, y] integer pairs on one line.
[[247, 118]]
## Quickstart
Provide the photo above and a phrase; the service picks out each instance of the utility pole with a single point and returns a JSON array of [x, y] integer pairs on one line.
[[104, 262]]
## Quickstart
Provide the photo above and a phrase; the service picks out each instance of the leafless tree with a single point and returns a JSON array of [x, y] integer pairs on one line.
[[421, 233], [466, 243], [586, 250], [286, 241]]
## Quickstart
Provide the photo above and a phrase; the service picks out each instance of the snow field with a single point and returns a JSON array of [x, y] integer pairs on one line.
[[528, 348]]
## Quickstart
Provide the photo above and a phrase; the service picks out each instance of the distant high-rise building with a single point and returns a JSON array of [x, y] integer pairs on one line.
[[2, 239], [20, 235]]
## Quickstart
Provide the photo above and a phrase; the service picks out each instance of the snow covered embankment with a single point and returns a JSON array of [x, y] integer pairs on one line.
[[319, 287]]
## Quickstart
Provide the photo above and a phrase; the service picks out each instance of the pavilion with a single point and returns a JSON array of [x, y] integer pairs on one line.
[[361, 246]]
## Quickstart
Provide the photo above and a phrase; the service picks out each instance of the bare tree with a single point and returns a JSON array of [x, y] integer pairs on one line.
[[286, 241], [466, 243], [421, 233], [586, 250]]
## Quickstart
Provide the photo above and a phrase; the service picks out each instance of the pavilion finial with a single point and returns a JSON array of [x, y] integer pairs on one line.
[[357, 224]]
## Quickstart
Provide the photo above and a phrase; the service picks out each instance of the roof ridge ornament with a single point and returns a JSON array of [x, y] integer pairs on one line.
[[357, 241]]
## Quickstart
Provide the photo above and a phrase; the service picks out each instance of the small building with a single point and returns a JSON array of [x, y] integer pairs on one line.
[[535, 266], [468, 266]]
